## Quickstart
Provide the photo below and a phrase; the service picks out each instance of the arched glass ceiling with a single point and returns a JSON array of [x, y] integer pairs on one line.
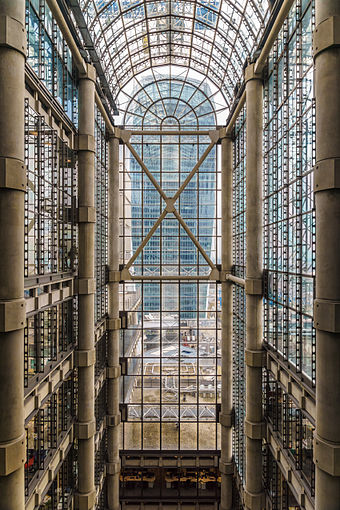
[[210, 37], [163, 102]]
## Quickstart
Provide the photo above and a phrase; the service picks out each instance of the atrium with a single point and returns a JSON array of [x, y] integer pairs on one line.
[[169, 255]]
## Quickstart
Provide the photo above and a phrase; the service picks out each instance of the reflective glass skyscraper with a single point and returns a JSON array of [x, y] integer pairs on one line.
[[176, 105]]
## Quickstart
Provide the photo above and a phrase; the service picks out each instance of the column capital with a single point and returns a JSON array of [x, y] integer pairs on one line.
[[326, 35], [327, 175], [12, 455], [90, 73], [327, 456], [250, 74], [224, 134], [13, 34], [122, 134]]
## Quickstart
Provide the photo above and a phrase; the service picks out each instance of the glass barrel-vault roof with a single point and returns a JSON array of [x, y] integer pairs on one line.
[[211, 37]]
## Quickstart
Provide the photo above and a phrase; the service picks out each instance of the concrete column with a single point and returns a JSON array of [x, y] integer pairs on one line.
[[113, 370], [85, 355], [226, 464], [327, 302], [12, 305], [254, 496]]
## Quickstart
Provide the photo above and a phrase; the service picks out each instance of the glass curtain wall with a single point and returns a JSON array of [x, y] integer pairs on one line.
[[51, 326], [50, 207], [171, 386], [101, 227], [289, 246], [49, 56], [289, 224], [101, 297], [239, 298]]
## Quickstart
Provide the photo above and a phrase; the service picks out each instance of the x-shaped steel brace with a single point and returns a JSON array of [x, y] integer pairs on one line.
[[170, 201]]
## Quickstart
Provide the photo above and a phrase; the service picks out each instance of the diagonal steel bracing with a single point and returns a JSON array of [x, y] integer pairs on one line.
[[170, 201]]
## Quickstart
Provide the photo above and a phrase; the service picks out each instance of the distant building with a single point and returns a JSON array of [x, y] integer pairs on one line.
[[177, 253]]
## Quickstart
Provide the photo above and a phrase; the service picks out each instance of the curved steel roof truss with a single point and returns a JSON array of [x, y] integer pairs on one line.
[[210, 37]]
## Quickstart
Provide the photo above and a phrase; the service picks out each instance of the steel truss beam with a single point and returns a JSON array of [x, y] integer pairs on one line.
[[125, 137]]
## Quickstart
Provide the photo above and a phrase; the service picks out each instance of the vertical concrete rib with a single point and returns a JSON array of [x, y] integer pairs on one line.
[[12, 305], [85, 355], [113, 370], [327, 303], [226, 464], [254, 496]]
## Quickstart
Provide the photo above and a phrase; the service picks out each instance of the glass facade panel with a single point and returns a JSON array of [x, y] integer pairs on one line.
[[50, 222], [49, 56], [289, 216], [239, 298], [172, 385]]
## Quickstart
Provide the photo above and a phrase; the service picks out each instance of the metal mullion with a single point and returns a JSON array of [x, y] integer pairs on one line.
[[143, 305], [179, 292], [216, 290], [124, 197], [39, 342], [42, 39], [67, 226], [299, 193], [197, 286], [275, 199], [65, 74], [53, 418], [160, 363], [55, 60], [48, 243], [161, 302], [41, 437], [55, 331], [179, 205], [284, 190], [26, 227], [197, 362], [197, 212], [160, 206], [50, 335], [38, 185], [62, 206], [54, 200]]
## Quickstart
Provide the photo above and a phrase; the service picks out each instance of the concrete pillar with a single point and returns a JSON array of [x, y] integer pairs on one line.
[[226, 464], [254, 495], [85, 355], [113, 370], [327, 303], [12, 305]]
